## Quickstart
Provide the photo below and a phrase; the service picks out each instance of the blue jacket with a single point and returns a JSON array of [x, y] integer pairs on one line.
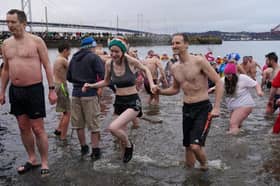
[[84, 67]]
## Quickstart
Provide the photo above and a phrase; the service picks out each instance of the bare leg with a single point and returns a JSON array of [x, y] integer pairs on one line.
[[27, 137], [41, 140], [135, 124], [63, 125], [189, 157], [156, 98], [237, 117], [81, 136], [116, 127], [59, 125], [150, 99], [200, 155], [95, 138]]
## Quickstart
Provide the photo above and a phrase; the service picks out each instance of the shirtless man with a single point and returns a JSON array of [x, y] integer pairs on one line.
[[271, 60], [191, 74], [253, 67], [245, 65], [23, 55], [60, 68], [154, 65], [266, 76], [250, 67]]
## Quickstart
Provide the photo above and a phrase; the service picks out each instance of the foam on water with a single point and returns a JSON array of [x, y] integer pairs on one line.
[[217, 164]]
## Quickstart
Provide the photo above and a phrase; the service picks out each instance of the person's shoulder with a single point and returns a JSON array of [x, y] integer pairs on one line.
[[9, 40], [60, 59], [245, 77], [268, 70], [198, 59], [34, 37]]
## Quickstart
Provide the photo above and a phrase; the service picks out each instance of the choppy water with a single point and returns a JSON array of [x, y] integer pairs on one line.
[[251, 158]]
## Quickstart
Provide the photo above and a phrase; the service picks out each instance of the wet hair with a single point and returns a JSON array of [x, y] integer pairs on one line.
[[184, 35], [21, 15], [63, 46], [230, 85], [272, 56]]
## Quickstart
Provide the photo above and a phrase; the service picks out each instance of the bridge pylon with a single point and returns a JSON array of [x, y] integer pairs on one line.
[[26, 7]]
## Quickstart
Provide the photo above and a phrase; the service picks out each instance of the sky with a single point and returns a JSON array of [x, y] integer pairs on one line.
[[158, 16]]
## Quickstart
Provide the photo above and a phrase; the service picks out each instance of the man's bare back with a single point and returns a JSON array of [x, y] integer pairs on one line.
[[60, 69], [153, 64]]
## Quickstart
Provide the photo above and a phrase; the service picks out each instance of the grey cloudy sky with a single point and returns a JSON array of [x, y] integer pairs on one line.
[[159, 16]]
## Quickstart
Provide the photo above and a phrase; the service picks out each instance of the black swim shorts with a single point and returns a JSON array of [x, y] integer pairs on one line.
[[124, 102], [29, 100], [196, 122]]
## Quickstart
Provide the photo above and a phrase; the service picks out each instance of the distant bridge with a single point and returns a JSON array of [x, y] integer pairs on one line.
[[276, 29], [75, 26]]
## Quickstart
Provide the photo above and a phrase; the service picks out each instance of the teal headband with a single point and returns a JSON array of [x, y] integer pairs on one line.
[[120, 44]]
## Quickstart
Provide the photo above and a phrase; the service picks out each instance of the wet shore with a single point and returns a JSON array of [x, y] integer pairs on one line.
[[250, 158]]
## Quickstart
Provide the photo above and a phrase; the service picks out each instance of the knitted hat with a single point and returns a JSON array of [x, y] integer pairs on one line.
[[119, 43], [230, 69], [88, 42]]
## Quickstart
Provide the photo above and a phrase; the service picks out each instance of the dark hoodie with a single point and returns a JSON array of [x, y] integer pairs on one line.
[[84, 67]]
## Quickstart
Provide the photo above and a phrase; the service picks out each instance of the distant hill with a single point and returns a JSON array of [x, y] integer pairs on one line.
[[238, 36]]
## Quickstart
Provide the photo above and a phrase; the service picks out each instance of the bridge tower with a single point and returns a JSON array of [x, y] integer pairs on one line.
[[26, 7]]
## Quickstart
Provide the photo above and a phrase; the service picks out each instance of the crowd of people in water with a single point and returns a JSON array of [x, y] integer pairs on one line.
[[91, 69]]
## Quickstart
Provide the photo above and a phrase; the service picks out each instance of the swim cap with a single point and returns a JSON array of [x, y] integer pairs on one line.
[[234, 56], [119, 43], [230, 69], [88, 42]]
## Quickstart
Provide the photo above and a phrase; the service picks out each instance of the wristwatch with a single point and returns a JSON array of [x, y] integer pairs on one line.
[[51, 87]]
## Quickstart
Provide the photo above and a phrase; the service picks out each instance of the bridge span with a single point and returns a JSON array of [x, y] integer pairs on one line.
[[77, 26]]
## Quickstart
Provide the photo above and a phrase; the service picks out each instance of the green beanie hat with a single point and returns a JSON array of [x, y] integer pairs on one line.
[[118, 43]]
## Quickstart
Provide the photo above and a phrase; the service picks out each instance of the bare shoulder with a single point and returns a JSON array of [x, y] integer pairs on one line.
[[131, 59], [8, 41], [60, 60], [199, 59], [38, 40]]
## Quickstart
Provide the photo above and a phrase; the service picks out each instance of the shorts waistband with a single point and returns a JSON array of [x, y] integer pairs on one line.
[[200, 103], [127, 96], [28, 86]]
